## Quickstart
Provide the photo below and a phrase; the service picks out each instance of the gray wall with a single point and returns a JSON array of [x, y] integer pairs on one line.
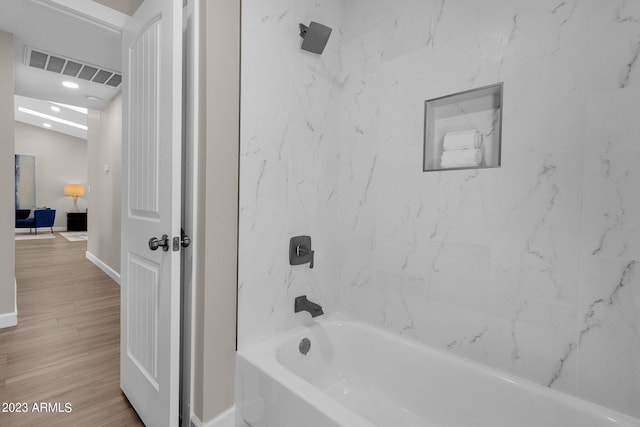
[[104, 148], [216, 282], [7, 187], [60, 159]]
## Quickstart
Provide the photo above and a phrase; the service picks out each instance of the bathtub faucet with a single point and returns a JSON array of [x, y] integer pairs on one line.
[[303, 304]]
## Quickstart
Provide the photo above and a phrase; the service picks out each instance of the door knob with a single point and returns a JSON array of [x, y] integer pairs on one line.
[[155, 243], [185, 240]]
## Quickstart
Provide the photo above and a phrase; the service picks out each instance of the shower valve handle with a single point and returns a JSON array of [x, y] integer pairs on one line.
[[302, 251]]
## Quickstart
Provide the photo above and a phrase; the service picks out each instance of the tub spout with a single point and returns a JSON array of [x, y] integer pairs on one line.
[[303, 304]]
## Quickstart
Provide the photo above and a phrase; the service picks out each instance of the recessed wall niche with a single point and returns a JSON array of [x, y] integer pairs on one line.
[[463, 130]]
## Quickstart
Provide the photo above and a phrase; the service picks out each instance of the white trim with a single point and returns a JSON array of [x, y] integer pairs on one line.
[[9, 320], [26, 230], [225, 419], [195, 174], [104, 267]]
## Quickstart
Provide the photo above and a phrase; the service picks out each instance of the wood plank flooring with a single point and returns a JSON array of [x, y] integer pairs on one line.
[[66, 347]]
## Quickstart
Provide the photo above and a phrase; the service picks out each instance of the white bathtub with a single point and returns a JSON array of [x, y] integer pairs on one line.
[[356, 375]]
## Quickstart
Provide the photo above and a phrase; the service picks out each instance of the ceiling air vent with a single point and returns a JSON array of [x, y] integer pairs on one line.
[[71, 67]]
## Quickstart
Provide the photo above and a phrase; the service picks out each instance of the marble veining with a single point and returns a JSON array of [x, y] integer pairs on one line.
[[615, 217], [590, 318], [617, 233], [434, 26], [558, 369], [623, 16], [567, 11], [509, 41], [468, 340], [365, 193], [614, 23], [396, 314], [608, 344], [488, 263], [515, 353], [635, 52], [548, 256], [277, 17]]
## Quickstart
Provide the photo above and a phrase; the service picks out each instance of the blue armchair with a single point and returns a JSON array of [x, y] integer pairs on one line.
[[40, 218]]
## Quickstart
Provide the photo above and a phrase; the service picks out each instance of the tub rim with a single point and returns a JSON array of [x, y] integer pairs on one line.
[[263, 355]]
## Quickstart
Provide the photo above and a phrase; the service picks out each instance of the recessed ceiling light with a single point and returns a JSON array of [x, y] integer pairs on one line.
[[70, 85], [52, 118], [47, 125], [56, 109], [93, 98], [73, 107]]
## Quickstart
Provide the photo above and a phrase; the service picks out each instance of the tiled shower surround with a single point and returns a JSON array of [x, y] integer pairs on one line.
[[532, 267]]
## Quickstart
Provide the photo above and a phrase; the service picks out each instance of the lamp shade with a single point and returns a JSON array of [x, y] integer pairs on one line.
[[73, 190]]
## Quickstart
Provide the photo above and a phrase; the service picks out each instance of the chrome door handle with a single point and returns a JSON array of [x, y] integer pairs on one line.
[[155, 243]]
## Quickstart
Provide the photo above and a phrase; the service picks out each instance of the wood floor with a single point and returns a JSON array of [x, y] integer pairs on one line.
[[65, 349]]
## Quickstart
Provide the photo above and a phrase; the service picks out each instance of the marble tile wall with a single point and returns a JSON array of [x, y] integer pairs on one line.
[[288, 183], [532, 267]]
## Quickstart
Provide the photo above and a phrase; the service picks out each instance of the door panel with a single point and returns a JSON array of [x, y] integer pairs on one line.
[[151, 203], [144, 62], [142, 325]]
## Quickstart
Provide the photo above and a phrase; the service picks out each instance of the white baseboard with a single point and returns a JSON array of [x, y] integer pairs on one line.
[[8, 320], [225, 419], [104, 267], [22, 230]]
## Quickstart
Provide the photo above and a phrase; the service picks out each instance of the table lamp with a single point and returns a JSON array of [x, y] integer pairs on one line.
[[75, 191]]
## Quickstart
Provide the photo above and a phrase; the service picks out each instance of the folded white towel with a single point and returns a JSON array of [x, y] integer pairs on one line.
[[461, 158], [467, 139]]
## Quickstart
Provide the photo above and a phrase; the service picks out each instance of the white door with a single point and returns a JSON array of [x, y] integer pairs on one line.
[[150, 294]]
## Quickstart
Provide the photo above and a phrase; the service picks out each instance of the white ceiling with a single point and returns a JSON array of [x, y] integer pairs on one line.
[[82, 30], [54, 116]]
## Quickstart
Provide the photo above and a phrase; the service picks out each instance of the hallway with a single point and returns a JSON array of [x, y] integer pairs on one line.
[[64, 353]]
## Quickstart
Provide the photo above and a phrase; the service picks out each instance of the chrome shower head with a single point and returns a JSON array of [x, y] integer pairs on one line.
[[315, 37]]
